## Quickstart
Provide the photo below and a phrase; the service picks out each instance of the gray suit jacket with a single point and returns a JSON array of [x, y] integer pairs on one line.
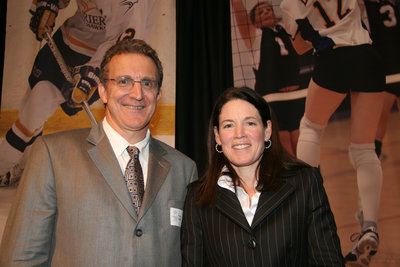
[[72, 206]]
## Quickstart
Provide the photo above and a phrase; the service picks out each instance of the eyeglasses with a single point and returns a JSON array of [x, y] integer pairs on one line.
[[127, 83]]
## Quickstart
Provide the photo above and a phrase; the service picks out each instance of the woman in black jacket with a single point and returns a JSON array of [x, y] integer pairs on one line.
[[256, 205]]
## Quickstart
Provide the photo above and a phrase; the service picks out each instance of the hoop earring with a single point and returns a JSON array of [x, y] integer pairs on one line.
[[218, 150], [268, 144]]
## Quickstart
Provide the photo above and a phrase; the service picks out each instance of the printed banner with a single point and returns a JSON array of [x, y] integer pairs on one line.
[[263, 56]]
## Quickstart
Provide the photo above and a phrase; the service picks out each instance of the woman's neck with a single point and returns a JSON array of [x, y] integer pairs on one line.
[[248, 178]]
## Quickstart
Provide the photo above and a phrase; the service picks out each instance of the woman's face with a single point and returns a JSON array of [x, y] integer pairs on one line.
[[241, 133], [264, 16]]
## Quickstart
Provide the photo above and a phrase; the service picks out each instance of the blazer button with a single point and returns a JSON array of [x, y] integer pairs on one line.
[[252, 243], [139, 232]]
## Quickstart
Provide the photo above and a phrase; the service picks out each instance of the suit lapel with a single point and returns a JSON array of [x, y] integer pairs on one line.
[[228, 204], [269, 200], [157, 172], [105, 160]]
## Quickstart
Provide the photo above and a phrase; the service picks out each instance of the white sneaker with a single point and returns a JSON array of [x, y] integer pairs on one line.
[[365, 247]]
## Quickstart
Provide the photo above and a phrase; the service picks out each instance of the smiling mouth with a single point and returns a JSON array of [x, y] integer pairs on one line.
[[134, 107], [240, 146]]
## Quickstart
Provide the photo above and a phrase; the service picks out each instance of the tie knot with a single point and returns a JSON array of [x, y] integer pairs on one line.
[[133, 151]]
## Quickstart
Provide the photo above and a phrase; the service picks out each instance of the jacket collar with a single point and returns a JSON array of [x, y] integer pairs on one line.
[[228, 204], [103, 157], [157, 172]]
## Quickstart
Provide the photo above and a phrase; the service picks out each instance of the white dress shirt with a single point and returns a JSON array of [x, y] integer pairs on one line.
[[119, 145], [249, 206]]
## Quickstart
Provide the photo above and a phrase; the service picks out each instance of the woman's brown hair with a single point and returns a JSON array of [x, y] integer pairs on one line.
[[273, 161]]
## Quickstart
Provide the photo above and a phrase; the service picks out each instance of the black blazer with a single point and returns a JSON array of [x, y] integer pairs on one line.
[[292, 226]]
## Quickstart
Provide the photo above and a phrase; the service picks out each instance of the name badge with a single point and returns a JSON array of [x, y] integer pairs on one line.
[[176, 217]]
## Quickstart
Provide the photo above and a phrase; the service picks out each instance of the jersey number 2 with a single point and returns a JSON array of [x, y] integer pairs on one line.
[[129, 33]]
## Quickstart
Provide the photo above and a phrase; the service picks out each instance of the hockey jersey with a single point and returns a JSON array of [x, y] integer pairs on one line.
[[98, 24]]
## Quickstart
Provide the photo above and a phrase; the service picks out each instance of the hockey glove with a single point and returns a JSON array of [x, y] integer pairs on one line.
[[87, 78], [86, 81], [43, 19]]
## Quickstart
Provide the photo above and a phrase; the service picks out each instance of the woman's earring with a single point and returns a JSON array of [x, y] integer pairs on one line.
[[268, 144], [218, 148]]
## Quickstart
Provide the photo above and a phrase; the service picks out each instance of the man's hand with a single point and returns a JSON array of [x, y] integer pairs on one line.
[[43, 19]]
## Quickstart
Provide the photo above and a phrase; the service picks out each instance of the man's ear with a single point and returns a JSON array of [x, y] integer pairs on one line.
[[158, 96], [102, 93]]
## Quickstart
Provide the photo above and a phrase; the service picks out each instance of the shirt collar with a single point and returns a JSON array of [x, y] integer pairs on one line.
[[119, 144], [225, 181]]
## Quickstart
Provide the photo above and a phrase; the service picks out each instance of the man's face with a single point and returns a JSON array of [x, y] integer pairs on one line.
[[129, 109], [264, 16]]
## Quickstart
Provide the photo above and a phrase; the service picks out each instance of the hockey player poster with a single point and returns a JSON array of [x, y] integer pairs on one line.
[[265, 60], [36, 94]]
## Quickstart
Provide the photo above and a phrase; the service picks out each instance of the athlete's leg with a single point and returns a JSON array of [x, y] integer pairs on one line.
[[294, 138], [286, 142], [320, 105], [289, 141], [389, 100], [38, 105], [365, 113], [398, 103]]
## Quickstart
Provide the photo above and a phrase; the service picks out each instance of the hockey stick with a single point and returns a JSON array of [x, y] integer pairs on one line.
[[67, 74]]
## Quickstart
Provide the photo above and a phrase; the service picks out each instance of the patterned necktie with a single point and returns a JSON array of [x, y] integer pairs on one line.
[[134, 178]]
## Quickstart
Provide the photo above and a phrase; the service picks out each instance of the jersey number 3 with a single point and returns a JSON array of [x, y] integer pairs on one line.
[[390, 20]]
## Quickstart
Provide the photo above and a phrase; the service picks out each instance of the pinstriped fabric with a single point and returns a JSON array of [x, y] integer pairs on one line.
[[293, 226]]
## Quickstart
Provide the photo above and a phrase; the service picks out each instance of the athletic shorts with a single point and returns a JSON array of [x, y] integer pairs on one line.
[[46, 68], [288, 113], [350, 68]]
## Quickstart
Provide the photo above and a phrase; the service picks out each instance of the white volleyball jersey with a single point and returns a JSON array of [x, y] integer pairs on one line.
[[338, 20]]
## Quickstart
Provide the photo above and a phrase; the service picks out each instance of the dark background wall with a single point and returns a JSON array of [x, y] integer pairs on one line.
[[203, 70], [3, 21]]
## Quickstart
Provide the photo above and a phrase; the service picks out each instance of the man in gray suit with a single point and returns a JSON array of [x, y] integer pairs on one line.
[[73, 207]]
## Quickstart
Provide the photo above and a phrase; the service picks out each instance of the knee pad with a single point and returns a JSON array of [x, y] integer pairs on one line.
[[369, 179], [308, 146], [360, 154], [311, 131]]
